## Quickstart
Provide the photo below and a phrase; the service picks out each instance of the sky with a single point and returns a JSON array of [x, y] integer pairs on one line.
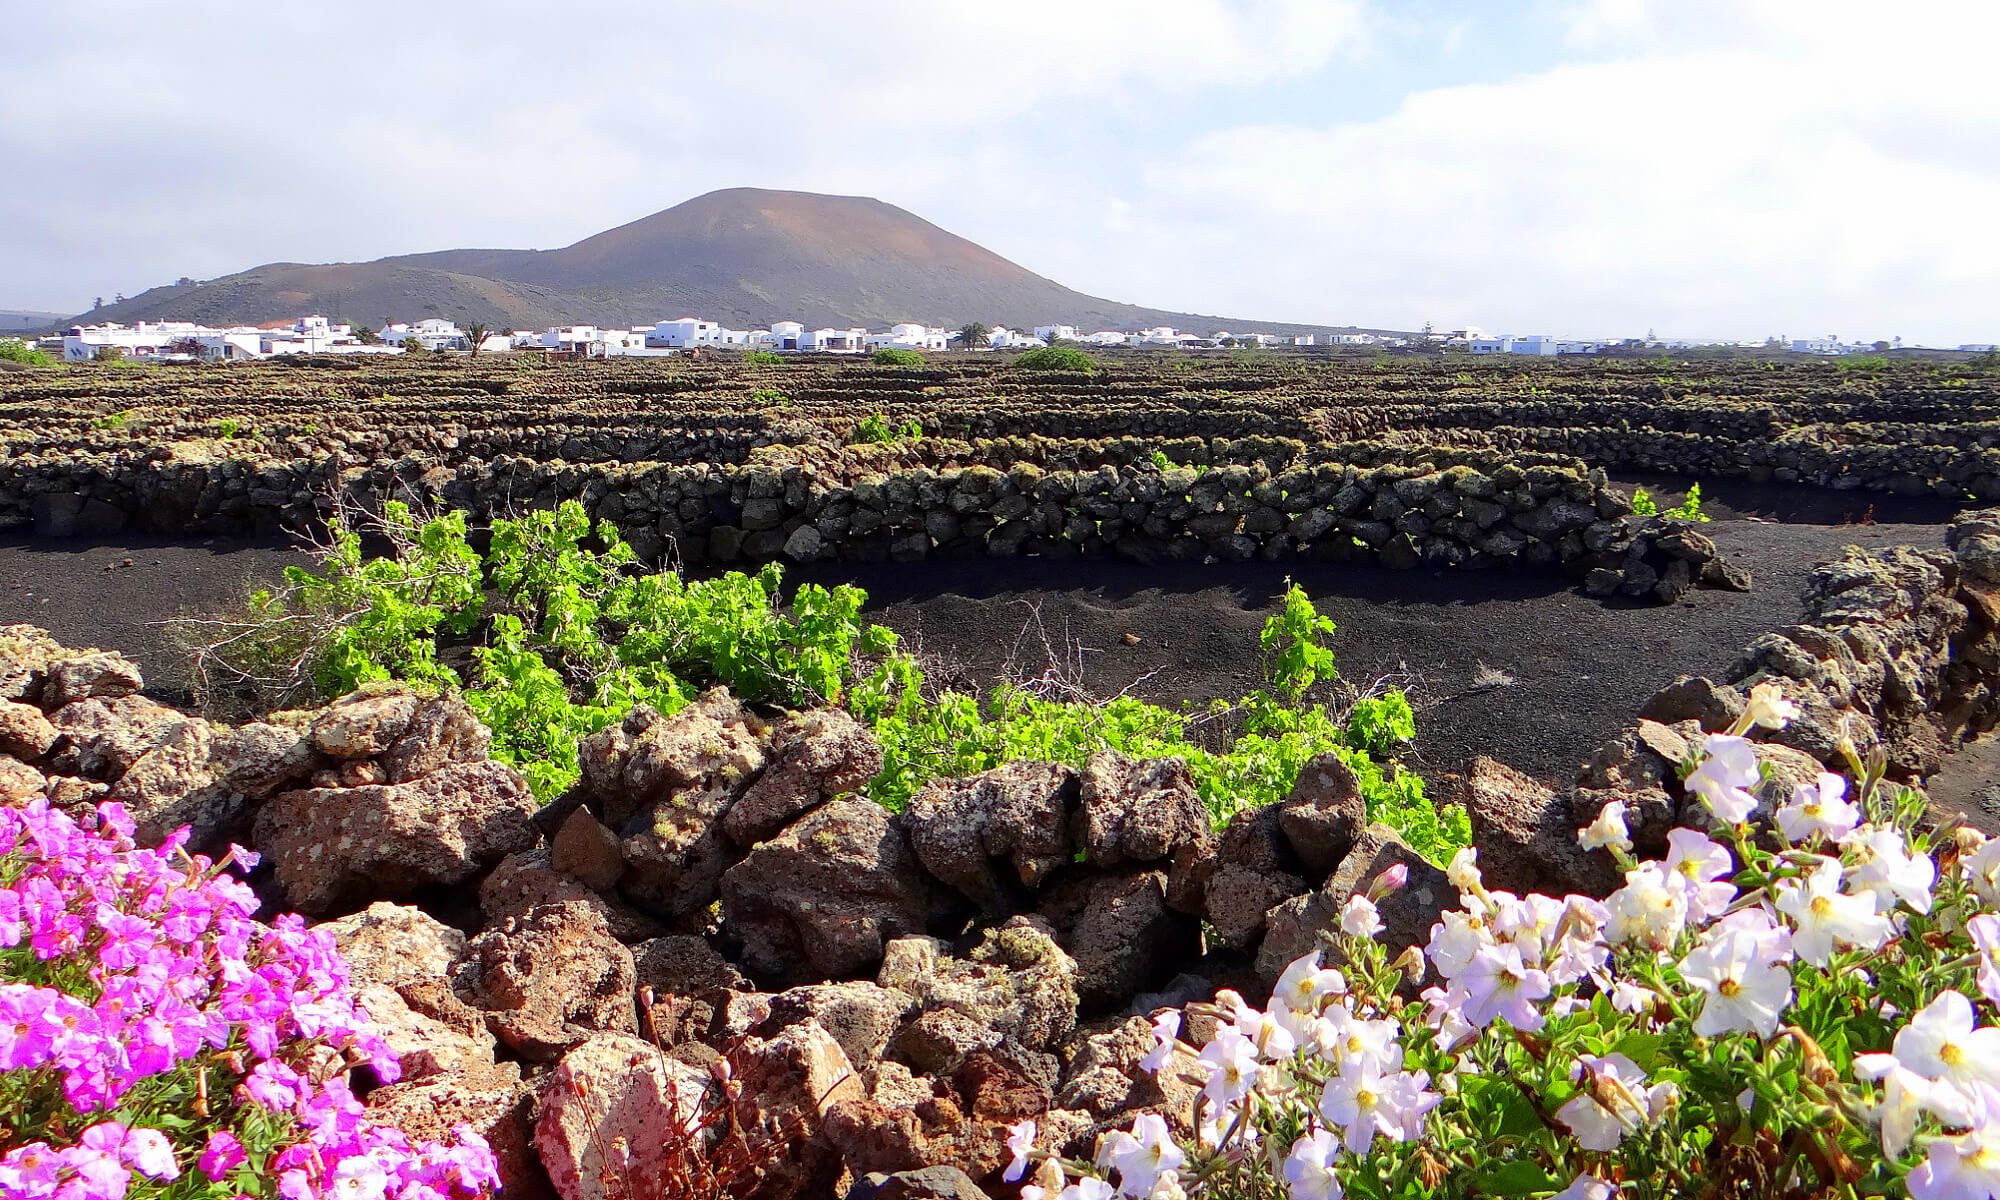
[[1698, 168]]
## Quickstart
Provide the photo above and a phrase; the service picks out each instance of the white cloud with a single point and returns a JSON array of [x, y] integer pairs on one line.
[[1745, 185]]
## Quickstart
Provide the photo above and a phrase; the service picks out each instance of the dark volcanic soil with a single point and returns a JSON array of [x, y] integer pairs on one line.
[[1570, 668], [1578, 666]]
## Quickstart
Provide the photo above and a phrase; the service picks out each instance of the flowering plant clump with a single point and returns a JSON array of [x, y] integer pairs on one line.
[[156, 1040], [1798, 1008]]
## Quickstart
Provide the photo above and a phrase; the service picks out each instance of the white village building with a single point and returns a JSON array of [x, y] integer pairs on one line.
[[909, 335], [686, 333]]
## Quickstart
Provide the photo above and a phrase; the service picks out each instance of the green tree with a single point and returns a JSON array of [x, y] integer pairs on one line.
[[973, 336], [475, 333]]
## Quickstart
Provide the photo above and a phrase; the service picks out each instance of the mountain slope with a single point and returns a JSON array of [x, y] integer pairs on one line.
[[743, 256]]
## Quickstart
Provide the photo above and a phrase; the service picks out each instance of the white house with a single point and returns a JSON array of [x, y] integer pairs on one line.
[[909, 335], [1106, 337], [1540, 345], [782, 335], [431, 333], [1305, 339], [1003, 338], [835, 341], [1352, 339], [1056, 333], [684, 333], [147, 339], [1159, 335]]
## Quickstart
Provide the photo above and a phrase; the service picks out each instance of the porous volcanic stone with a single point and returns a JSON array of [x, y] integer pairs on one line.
[[335, 847]]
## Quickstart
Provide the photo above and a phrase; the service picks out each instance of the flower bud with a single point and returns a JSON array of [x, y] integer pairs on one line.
[[1395, 878]]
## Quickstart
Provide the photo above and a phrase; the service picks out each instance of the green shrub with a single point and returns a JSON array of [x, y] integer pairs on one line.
[[765, 358], [15, 350], [1057, 358], [891, 356], [769, 397], [1689, 509], [566, 634], [874, 429], [1868, 363]]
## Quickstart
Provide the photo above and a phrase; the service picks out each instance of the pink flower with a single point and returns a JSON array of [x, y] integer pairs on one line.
[[223, 1154]]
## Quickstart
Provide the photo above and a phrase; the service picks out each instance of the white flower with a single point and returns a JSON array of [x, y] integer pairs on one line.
[[1772, 941], [1364, 1101], [1629, 997], [1166, 1028], [1527, 921], [1608, 831], [1020, 1142], [1464, 871], [1359, 918], [1984, 930], [1615, 1101], [1884, 865], [1087, 1188], [1498, 984], [1442, 1012], [1348, 1040], [1587, 1187], [1142, 1155], [1768, 707], [1231, 1060], [1743, 989], [1982, 870], [1650, 909], [1728, 770], [1822, 915], [1967, 1166], [1819, 809], [1272, 1038], [1305, 985], [1701, 867], [1907, 1096], [1942, 1043], [1580, 951], [1309, 1167], [1454, 940]]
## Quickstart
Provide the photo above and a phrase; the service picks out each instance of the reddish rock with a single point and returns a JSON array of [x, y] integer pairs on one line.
[[1138, 811], [819, 755], [614, 1116], [549, 979], [1526, 837], [24, 732], [335, 847], [822, 899], [997, 836]]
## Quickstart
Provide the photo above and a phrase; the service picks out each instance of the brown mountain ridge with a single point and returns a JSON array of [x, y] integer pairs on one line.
[[742, 256]]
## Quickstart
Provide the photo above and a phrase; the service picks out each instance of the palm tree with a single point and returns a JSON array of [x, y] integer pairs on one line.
[[973, 336], [476, 334]]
